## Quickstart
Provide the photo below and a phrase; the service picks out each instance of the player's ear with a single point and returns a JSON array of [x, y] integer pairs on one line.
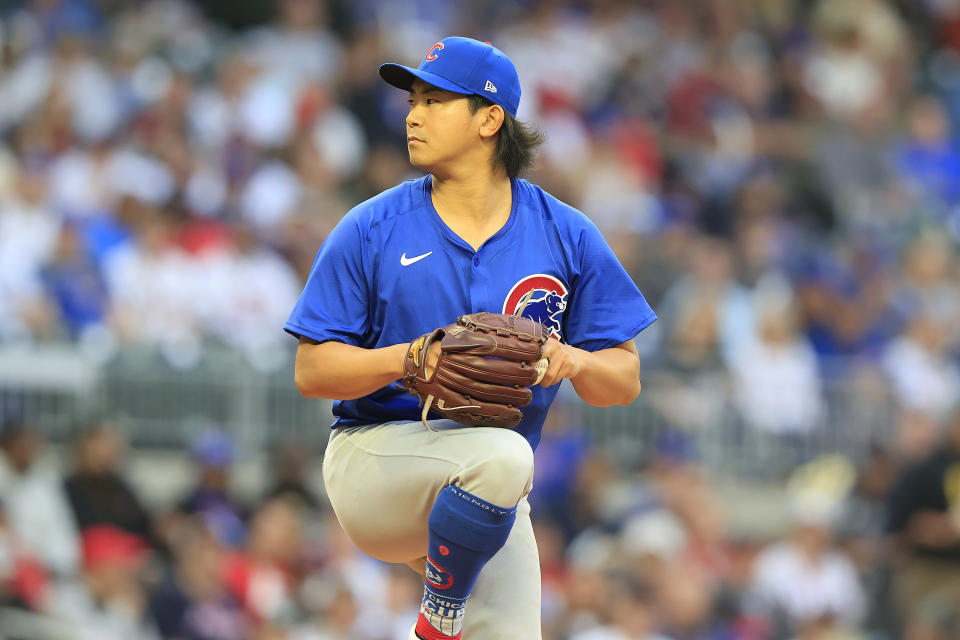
[[491, 120]]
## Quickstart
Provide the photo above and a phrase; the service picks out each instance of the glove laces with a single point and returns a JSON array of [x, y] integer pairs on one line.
[[429, 403]]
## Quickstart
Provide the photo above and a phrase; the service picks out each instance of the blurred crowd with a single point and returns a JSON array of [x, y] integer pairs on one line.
[[780, 177], [868, 552]]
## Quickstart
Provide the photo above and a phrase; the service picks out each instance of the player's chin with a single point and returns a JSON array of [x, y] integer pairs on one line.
[[414, 159], [417, 163]]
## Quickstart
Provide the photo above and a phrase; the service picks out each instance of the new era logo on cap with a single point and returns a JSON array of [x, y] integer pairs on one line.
[[463, 65]]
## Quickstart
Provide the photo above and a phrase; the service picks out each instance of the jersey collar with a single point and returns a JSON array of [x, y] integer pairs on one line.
[[493, 240]]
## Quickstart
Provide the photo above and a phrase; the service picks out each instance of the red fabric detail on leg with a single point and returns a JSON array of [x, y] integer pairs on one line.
[[428, 632]]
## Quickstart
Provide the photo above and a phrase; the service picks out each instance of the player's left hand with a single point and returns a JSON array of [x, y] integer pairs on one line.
[[565, 362]]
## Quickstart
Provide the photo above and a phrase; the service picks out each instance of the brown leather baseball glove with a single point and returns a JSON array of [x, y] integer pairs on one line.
[[487, 363]]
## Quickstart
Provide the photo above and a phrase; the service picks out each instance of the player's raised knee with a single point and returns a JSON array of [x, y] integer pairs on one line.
[[510, 457]]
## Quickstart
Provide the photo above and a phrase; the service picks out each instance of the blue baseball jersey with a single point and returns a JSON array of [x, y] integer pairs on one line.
[[392, 270]]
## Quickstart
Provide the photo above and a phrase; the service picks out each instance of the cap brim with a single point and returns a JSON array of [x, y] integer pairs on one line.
[[402, 77]]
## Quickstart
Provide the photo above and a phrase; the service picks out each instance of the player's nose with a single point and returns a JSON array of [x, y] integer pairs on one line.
[[413, 118]]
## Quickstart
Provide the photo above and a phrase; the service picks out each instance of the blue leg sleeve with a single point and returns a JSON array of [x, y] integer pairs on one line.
[[465, 532]]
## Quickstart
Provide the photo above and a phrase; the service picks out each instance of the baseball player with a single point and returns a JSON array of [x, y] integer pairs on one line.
[[468, 237]]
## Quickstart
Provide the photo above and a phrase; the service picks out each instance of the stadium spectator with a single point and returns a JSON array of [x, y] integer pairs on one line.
[[249, 289], [928, 159], [632, 614], [98, 493], [211, 498], [75, 287], [805, 584], [336, 620], [36, 507], [109, 601], [924, 377], [928, 284], [922, 507], [23, 580], [264, 575], [709, 313], [28, 237], [192, 602], [290, 467], [152, 285], [777, 383]]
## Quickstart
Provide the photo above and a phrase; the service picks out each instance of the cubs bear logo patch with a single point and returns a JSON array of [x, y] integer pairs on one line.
[[546, 302], [437, 576]]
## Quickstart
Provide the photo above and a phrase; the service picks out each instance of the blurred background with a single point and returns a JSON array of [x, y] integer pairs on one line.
[[780, 177]]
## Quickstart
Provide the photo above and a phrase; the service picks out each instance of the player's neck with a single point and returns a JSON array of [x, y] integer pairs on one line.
[[475, 202]]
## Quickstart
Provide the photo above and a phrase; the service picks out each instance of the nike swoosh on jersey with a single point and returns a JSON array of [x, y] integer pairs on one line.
[[406, 262]]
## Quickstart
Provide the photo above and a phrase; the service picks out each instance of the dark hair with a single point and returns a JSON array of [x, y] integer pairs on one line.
[[517, 143]]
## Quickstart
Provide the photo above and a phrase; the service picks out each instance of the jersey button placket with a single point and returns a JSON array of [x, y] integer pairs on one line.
[[478, 287]]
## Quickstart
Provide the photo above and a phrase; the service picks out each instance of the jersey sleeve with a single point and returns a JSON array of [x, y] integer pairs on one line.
[[606, 307], [334, 301]]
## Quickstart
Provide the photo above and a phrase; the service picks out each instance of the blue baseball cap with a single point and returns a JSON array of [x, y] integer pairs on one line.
[[213, 448], [463, 65]]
